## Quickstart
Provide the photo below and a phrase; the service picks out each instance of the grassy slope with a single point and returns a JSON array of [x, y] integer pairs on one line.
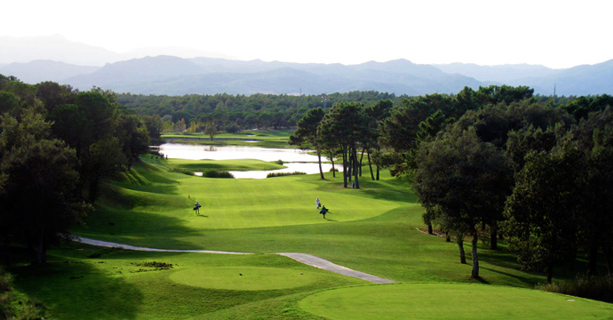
[[373, 229], [265, 138]]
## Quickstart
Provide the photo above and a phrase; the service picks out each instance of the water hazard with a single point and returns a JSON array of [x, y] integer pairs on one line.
[[293, 159]]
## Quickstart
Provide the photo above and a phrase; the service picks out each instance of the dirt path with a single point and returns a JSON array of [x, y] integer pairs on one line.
[[301, 257]]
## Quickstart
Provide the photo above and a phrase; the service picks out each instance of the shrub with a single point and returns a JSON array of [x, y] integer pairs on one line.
[[591, 287], [279, 162], [104, 251], [281, 174], [232, 128], [15, 305], [5, 281], [156, 265], [217, 174]]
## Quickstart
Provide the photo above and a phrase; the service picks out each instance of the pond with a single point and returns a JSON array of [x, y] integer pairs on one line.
[[293, 159]]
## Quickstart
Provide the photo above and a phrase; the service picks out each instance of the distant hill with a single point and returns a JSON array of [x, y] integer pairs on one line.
[[501, 73], [580, 80], [54, 58], [44, 70], [56, 48], [176, 76]]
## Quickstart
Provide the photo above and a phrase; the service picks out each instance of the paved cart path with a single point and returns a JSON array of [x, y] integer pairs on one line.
[[301, 257]]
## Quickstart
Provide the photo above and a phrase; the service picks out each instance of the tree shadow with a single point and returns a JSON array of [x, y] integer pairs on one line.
[[523, 279], [481, 280], [73, 289]]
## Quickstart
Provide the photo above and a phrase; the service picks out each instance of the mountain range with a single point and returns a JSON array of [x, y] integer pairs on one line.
[[78, 65]]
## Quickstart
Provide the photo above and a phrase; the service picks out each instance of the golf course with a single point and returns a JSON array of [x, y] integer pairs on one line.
[[376, 230]]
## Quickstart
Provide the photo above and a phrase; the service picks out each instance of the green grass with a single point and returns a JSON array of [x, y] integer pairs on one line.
[[372, 229], [224, 165], [450, 301], [264, 138]]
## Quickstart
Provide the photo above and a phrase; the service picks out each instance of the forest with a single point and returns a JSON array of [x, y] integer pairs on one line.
[[487, 164], [496, 162]]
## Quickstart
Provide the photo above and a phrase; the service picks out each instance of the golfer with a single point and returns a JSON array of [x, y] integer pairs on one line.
[[323, 211]]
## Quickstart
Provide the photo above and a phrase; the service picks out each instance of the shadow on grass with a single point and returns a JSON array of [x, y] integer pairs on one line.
[[73, 289], [529, 281], [481, 280], [138, 228]]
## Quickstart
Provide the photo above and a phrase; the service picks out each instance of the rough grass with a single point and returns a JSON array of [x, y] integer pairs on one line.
[[372, 229], [599, 288]]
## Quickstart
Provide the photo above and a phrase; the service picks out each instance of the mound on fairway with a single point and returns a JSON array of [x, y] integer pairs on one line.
[[245, 278], [450, 301]]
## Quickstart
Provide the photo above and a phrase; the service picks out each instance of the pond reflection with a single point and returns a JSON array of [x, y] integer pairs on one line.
[[293, 159]]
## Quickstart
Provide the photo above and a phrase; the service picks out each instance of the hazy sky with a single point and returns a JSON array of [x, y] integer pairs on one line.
[[558, 34]]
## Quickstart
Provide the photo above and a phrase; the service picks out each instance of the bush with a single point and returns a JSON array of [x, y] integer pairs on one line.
[[279, 162], [281, 174], [232, 128], [16, 305], [6, 280], [591, 287], [217, 174]]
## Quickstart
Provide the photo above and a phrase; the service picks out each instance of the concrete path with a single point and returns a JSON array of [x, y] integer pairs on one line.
[[327, 265], [129, 247], [301, 257]]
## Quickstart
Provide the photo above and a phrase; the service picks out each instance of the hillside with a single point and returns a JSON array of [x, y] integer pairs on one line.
[[170, 75]]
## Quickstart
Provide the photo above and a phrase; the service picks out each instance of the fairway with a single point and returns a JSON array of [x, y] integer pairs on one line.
[[372, 230], [450, 301], [154, 207]]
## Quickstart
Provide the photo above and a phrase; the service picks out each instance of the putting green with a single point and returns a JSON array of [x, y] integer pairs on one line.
[[450, 301], [245, 278]]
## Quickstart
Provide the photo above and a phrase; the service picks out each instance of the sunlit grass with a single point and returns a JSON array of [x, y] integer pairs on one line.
[[251, 138], [372, 229]]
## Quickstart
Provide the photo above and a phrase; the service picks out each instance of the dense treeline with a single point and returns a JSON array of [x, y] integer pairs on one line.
[[231, 113], [57, 146], [493, 161], [533, 169]]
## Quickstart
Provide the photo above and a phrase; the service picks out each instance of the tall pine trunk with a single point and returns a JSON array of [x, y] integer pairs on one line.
[[41, 253], [592, 259], [372, 176], [349, 165], [475, 272], [460, 243], [321, 171], [345, 162], [361, 159], [494, 236], [355, 171], [608, 257]]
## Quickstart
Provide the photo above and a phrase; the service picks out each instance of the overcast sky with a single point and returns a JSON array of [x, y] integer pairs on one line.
[[557, 34]]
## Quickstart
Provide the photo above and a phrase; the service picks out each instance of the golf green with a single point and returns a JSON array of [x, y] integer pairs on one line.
[[450, 301], [245, 278]]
